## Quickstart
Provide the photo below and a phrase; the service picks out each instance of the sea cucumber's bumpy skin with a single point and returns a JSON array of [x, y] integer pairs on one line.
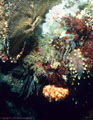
[[65, 44]]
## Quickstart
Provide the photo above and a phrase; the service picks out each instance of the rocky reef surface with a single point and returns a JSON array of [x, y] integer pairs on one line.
[[46, 59]]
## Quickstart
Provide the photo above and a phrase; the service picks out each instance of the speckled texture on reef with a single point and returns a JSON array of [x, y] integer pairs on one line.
[[6, 8]]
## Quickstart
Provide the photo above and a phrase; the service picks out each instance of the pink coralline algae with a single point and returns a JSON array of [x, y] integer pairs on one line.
[[87, 51]]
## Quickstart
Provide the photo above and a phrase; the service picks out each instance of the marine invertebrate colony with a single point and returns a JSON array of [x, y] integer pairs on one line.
[[52, 92], [65, 45]]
